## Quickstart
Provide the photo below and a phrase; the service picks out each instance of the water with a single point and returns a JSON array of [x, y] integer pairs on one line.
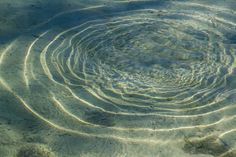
[[140, 78]]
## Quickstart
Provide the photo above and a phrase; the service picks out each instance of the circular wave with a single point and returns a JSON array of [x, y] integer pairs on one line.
[[137, 72]]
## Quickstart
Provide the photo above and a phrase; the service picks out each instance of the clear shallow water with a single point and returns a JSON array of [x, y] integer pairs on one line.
[[141, 78]]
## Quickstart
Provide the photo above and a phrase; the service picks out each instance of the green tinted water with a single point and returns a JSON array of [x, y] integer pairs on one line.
[[140, 78]]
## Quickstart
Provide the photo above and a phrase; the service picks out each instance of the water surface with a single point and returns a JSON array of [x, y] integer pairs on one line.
[[121, 78]]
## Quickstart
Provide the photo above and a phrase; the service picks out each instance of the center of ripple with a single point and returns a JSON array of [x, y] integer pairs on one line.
[[146, 55]]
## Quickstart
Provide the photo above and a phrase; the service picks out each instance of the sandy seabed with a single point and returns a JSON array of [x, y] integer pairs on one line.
[[117, 78]]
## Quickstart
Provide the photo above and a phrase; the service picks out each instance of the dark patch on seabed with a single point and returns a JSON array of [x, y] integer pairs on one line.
[[34, 150], [209, 145], [100, 118]]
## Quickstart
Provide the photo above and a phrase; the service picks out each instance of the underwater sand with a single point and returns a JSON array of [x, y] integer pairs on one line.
[[117, 78]]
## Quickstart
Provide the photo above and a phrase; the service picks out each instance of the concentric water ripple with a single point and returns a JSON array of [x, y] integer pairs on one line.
[[133, 72]]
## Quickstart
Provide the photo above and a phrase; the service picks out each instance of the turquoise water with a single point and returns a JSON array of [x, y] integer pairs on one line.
[[120, 78]]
